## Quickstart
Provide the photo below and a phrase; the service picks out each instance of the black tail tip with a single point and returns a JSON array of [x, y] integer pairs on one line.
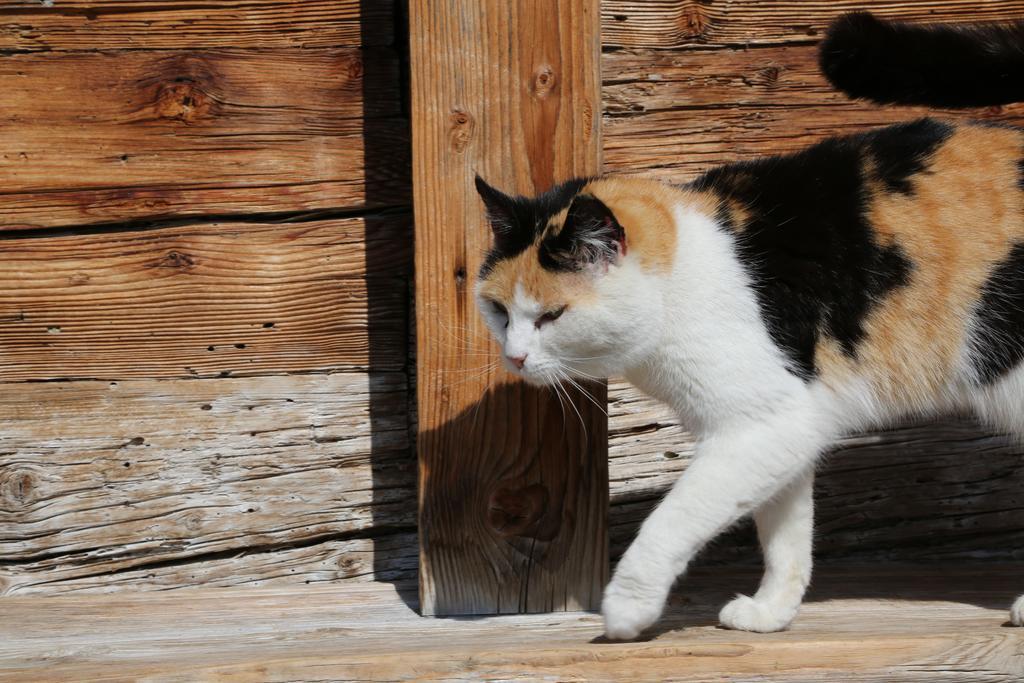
[[852, 51], [935, 65]]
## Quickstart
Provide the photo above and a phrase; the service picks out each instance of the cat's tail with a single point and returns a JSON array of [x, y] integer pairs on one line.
[[939, 66]]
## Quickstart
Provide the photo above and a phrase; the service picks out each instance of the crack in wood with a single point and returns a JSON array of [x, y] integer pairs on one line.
[[142, 225]]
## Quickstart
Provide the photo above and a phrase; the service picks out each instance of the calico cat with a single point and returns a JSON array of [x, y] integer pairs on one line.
[[780, 303]]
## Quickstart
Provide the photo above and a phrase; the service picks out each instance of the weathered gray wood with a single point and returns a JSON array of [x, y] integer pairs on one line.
[[105, 476], [385, 557], [861, 624]]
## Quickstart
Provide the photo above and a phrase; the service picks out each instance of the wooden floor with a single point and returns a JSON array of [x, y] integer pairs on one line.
[[888, 624]]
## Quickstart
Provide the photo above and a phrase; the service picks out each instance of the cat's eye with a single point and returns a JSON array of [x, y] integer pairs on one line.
[[551, 316], [500, 310]]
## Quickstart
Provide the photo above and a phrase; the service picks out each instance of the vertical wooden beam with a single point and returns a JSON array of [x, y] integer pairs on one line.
[[513, 485]]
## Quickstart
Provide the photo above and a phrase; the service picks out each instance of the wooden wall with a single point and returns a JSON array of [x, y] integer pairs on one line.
[[205, 263], [205, 258]]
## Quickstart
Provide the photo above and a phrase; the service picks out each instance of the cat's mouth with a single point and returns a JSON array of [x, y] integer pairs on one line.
[[537, 376], [547, 376], [537, 379]]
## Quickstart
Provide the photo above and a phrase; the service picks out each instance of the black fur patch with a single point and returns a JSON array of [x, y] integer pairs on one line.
[[939, 66], [807, 244], [591, 234], [899, 152], [518, 221], [999, 337]]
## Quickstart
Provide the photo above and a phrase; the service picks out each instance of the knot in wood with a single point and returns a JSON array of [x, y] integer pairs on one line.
[[18, 489], [695, 23], [544, 82], [177, 259], [193, 521], [517, 512], [769, 75], [460, 130], [183, 100], [355, 68]]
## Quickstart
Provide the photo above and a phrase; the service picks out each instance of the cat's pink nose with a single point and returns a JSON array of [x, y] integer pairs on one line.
[[518, 361]]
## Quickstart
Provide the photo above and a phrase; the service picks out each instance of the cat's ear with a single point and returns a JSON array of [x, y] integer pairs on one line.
[[501, 209], [591, 235]]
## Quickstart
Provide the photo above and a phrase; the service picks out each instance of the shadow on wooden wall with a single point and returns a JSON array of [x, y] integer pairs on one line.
[[395, 549]]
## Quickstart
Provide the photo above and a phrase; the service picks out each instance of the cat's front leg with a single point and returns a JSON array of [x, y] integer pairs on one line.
[[734, 473]]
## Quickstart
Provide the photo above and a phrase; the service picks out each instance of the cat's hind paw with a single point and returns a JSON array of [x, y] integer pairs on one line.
[[1017, 612], [747, 614]]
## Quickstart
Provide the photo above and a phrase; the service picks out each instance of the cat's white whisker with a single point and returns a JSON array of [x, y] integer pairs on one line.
[[587, 394]]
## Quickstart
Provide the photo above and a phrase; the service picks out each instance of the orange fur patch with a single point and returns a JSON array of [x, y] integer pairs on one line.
[[964, 215]]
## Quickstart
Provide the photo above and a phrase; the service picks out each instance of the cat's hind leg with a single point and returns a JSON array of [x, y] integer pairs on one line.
[[1001, 404], [785, 526]]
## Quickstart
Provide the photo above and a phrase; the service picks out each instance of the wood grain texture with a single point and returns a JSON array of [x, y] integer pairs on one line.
[[676, 114], [206, 300], [99, 477], [133, 24], [391, 557], [513, 498], [716, 23], [861, 624], [109, 137]]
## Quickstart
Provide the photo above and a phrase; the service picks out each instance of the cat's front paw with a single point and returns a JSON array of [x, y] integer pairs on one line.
[[628, 609], [747, 614]]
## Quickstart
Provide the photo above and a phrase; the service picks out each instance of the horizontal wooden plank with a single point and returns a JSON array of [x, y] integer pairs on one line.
[[387, 557], [206, 300], [646, 81], [115, 476], [679, 113], [647, 448], [861, 624], [187, 133], [693, 23], [121, 24]]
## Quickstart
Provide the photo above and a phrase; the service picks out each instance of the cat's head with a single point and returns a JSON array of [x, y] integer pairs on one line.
[[569, 286]]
